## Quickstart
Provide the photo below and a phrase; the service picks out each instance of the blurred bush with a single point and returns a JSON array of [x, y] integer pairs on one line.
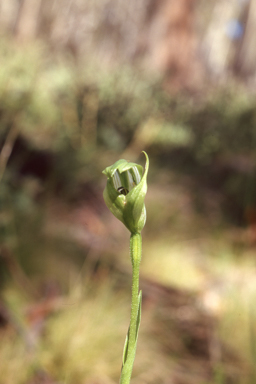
[[67, 116], [62, 122]]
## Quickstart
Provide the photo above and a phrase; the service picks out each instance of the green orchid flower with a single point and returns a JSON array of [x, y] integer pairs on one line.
[[125, 193]]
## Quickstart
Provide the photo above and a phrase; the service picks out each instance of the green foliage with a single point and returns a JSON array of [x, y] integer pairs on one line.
[[29, 87], [223, 124]]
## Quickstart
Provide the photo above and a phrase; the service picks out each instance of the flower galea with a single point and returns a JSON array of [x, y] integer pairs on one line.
[[125, 193]]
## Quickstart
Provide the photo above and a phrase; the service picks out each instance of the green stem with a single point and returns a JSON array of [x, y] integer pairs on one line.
[[135, 253]]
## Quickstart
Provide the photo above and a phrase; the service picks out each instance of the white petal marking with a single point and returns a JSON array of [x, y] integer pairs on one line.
[[136, 175], [130, 180], [116, 181]]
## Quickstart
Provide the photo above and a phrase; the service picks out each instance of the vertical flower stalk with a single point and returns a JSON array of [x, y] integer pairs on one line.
[[124, 195]]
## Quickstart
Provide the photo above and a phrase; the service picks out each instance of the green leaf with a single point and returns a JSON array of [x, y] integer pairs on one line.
[[125, 351], [138, 314], [134, 209], [114, 201]]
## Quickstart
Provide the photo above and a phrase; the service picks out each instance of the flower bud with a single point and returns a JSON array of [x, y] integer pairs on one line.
[[125, 193]]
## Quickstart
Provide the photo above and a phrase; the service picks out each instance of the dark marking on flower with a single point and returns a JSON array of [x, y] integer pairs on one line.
[[122, 191]]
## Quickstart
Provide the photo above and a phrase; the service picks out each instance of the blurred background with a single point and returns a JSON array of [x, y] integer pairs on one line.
[[83, 84]]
